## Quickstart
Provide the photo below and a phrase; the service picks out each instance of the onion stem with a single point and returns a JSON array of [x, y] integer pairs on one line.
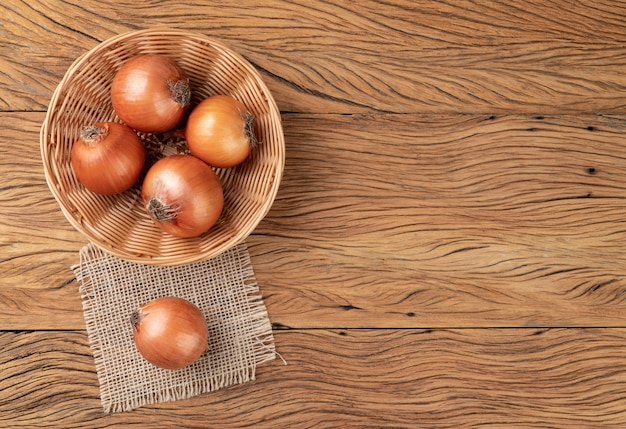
[[248, 120], [162, 212], [135, 318], [93, 133], [181, 92]]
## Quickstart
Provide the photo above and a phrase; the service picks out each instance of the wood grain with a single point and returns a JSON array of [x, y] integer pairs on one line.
[[448, 221], [396, 56], [519, 223], [478, 378], [37, 244]]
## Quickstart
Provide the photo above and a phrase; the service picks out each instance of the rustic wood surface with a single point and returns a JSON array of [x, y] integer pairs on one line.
[[448, 245]]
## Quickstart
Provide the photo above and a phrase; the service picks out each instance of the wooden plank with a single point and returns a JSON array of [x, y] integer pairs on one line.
[[483, 222], [447, 221], [397, 56], [529, 378], [37, 244]]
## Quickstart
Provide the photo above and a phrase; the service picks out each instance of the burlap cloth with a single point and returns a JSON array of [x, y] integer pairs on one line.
[[225, 290]]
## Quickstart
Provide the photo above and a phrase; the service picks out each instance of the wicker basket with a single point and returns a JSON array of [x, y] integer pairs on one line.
[[119, 224]]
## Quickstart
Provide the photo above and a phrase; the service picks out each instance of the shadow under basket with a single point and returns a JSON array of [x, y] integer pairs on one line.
[[119, 223]]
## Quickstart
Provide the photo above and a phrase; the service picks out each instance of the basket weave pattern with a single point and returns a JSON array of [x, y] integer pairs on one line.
[[119, 223]]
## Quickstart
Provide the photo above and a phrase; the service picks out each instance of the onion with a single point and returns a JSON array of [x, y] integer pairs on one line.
[[182, 195], [220, 131], [150, 93], [170, 332], [108, 157]]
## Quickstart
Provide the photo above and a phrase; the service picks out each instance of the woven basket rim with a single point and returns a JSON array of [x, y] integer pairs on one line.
[[163, 32]]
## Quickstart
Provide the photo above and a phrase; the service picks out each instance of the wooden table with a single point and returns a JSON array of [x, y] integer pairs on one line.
[[448, 245]]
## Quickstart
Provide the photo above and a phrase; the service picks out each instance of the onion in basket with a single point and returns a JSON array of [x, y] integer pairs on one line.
[[108, 157], [150, 93], [220, 131], [182, 195]]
